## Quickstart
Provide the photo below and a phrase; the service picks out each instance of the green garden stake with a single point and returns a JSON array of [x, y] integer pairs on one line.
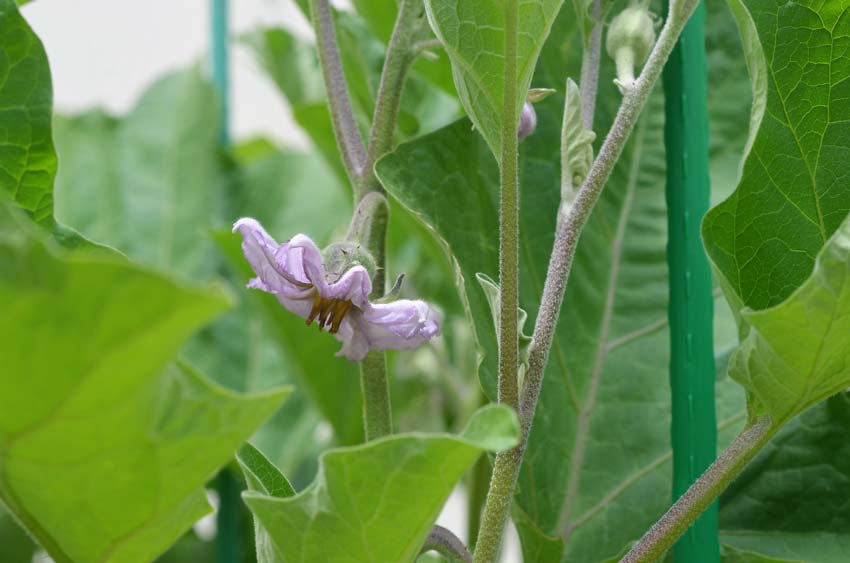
[[228, 518], [691, 310]]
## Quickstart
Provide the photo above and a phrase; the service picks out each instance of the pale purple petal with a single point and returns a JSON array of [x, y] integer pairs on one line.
[[279, 268], [354, 286], [400, 325]]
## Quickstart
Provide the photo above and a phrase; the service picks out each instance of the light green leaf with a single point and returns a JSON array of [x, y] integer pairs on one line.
[[95, 422], [26, 106], [770, 241], [492, 292], [472, 32], [148, 184], [576, 143], [785, 503], [378, 501]]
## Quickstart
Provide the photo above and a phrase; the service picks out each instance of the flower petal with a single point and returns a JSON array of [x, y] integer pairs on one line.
[[279, 269], [400, 325], [354, 286]]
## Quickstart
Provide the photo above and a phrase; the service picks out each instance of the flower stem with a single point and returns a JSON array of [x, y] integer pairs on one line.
[[505, 470], [702, 493], [345, 127], [372, 210], [444, 542], [377, 412], [568, 230], [400, 55]]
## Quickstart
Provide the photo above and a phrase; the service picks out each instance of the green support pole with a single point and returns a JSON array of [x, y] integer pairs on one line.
[[692, 370], [228, 518]]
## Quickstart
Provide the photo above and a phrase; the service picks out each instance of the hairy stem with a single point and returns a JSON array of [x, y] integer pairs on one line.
[[702, 493], [400, 55], [444, 542], [499, 496], [345, 128], [568, 229], [377, 412], [590, 67]]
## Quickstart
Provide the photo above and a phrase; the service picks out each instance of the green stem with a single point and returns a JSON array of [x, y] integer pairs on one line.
[[506, 467], [377, 412], [342, 117], [702, 493], [400, 54]]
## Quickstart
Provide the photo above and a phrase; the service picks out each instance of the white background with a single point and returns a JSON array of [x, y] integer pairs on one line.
[[106, 52]]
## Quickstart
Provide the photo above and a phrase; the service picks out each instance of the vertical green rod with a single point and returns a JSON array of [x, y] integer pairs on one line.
[[692, 370], [228, 518], [220, 66]]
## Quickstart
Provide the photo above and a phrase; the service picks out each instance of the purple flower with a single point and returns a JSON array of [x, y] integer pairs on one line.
[[295, 273], [527, 121]]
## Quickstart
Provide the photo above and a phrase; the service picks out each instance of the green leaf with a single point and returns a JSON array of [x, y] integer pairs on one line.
[[95, 420], [785, 504], [263, 477], [151, 183], [770, 241], [27, 158], [378, 501], [732, 555], [472, 32]]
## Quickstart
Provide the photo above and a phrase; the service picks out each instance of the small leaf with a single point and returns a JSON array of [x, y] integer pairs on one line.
[[473, 34], [378, 501], [576, 145], [493, 294], [95, 419]]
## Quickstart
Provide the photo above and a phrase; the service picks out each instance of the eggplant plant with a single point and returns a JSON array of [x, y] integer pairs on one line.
[[479, 232]]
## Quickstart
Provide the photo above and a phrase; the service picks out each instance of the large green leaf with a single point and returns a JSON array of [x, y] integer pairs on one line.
[[27, 158], [149, 184], [767, 241], [791, 501], [104, 444], [473, 34], [378, 501]]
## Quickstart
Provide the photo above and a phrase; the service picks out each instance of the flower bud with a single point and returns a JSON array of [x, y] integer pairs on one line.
[[527, 121], [339, 257], [630, 39]]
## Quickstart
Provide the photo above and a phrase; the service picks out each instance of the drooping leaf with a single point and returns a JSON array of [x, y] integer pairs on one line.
[[731, 555], [105, 445], [770, 241], [473, 34], [789, 502], [27, 158], [378, 501]]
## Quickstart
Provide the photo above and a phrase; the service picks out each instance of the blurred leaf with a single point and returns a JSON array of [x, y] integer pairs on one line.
[[786, 503], [292, 64], [472, 32], [149, 184], [26, 106], [15, 544], [95, 421], [732, 555], [378, 501], [769, 236]]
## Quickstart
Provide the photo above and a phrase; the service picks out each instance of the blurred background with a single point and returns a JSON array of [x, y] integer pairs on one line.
[[142, 168]]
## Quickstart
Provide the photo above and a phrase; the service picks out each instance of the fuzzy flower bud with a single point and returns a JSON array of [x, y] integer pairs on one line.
[[630, 39], [527, 121]]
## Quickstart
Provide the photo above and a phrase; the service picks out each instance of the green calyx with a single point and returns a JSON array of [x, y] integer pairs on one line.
[[339, 257]]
